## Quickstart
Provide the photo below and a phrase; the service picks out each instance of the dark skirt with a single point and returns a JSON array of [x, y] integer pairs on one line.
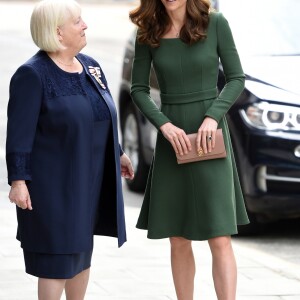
[[56, 266], [66, 266]]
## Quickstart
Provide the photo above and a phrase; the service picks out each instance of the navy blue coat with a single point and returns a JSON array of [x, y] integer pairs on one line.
[[49, 144]]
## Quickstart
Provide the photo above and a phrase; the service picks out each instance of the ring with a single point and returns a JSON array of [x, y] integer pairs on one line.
[[209, 138]]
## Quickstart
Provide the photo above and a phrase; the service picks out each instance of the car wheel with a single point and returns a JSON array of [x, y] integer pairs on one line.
[[132, 146], [253, 228]]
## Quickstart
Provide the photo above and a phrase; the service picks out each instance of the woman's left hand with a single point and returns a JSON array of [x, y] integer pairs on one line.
[[206, 137], [126, 167]]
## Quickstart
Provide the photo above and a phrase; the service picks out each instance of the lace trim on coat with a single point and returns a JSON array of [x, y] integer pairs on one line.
[[58, 83], [18, 165]]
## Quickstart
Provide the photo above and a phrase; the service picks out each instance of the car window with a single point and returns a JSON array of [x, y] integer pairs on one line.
[[264, 27]]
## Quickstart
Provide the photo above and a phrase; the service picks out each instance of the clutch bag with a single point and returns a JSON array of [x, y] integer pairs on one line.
[[219, 150]]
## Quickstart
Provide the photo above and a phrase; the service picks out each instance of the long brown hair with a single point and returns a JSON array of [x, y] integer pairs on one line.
[[152, 21]]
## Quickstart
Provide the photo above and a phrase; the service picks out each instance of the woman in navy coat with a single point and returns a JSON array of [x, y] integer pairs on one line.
[[63, 156]]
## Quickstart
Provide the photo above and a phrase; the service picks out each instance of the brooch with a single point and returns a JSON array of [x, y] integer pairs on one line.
[[95, 72]]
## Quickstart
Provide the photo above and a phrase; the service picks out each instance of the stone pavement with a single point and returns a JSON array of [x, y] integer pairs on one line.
[[140, 270]]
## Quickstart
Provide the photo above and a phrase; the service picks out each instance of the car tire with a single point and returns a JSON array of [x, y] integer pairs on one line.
[[132, 145], [253, 228]]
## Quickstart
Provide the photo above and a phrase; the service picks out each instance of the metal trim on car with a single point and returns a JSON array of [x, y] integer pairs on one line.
[[262, 178]]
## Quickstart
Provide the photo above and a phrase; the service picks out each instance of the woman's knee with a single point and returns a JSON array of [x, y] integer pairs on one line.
[[220, 243], [180, 243]]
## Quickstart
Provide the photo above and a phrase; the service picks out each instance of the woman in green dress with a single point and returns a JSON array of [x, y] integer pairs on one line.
[[184, 41]]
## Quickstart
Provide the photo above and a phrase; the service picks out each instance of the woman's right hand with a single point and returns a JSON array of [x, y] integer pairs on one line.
[[177, 137], [19, 194]]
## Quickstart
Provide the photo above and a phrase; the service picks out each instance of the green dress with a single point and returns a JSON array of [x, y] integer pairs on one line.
[[198, 200]]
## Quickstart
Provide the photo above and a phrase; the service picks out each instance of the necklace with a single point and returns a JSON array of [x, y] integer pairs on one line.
[[177, 32], [64, 64]]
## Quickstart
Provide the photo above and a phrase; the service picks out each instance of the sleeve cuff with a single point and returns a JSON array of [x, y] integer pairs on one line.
[[161, 121], [18, 166], [216, 117]]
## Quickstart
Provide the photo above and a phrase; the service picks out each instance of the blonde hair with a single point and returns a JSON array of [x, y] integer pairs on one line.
[[47, 17]]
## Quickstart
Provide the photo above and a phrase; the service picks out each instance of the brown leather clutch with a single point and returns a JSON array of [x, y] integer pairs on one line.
[[219, 150]]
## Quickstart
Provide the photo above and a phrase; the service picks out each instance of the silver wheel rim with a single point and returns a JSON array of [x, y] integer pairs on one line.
[[131, 142]]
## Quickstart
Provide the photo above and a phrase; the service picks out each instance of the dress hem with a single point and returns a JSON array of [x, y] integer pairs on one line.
[[56, 277], [192, 238]]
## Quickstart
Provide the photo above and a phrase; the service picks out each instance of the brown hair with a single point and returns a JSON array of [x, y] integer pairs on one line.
[[152, 21]]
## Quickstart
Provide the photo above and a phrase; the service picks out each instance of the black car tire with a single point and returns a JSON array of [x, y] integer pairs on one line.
[[253, 228], [132, 145]]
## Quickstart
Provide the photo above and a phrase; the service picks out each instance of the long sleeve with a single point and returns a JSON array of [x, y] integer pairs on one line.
[[23, 113], [140, 90], [234, 75]]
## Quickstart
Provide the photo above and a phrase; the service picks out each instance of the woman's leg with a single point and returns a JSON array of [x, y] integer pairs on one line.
[[50, 289], [183, 267], [224, 267], [76, 286]]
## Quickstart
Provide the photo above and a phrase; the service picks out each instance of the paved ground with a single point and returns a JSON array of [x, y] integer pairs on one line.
[[140, 270]]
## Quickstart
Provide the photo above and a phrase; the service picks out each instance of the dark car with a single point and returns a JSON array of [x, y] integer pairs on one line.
[[264, 122]]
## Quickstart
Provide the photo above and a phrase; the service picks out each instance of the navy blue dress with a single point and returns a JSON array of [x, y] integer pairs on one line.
[[65, 266], [62, 138]]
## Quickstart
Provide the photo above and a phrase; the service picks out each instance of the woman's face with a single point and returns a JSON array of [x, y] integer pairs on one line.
[[72, 35], [173, 5]]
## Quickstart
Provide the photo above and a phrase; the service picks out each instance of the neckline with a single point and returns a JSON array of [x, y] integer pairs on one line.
[[60, 69]]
